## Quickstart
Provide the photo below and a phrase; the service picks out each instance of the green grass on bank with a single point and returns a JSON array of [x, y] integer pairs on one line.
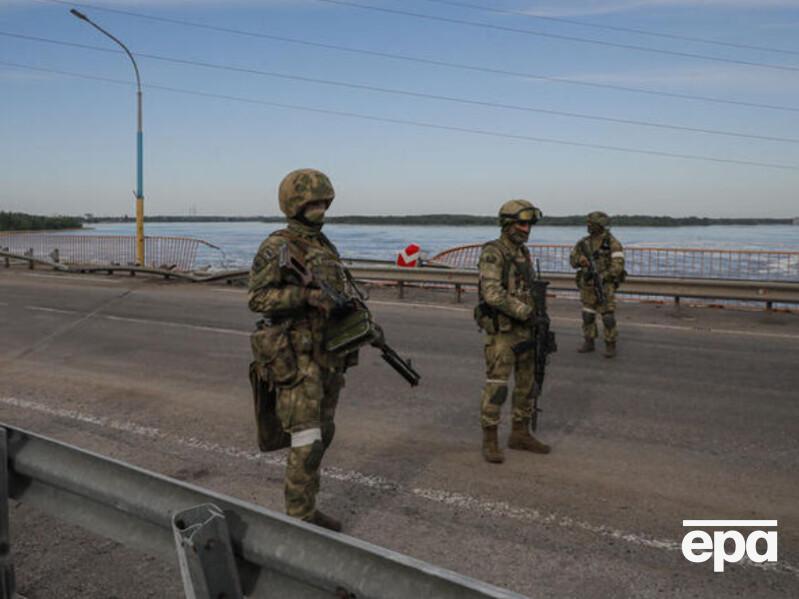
[[18, 221]]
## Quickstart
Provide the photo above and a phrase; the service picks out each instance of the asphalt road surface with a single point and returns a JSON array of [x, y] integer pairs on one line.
[[697, 418]]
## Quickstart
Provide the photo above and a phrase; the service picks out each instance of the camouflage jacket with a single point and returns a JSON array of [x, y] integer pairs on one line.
[[281, 298], [608, 253], [504, 271]]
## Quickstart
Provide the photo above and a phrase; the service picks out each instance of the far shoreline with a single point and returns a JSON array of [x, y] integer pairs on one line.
[[465, 220]]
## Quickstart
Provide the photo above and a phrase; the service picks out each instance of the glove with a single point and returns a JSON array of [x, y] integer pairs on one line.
[[316, 298]]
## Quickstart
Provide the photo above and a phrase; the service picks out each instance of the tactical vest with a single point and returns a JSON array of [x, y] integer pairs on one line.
[[603, 257], [518, 282], [489, 318], [324, 262]]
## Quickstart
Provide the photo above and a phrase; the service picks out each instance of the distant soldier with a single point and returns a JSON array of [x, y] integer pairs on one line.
[[599, 258], [505, 313], [290, 358]]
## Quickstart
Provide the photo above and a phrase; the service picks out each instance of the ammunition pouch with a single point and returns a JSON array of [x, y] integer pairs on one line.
[[347, 332], [486, 318], [273, 352]]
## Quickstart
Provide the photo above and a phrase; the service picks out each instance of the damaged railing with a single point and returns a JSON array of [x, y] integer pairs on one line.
[[178, 253]]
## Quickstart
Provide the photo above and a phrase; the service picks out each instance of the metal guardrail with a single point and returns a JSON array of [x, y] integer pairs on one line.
[[275, 556], [769, 292], [658, 262], [179, 253], [759, 291]]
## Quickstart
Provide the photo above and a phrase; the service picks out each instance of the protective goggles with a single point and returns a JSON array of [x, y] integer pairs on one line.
[[528, 215]]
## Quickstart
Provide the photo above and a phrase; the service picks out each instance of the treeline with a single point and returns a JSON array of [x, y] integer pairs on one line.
[[624, 220], [18, 221]]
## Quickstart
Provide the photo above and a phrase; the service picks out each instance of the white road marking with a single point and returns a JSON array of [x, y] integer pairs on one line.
[[416, 305], [642, 325], [75, 277], [379, 483], [164, 323], [54, 310]]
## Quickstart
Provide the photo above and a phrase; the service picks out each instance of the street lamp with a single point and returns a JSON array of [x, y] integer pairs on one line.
[[139, 142]]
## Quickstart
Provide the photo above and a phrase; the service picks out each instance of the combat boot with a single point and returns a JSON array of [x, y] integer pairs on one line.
[[587, 346], [325, 521], [491, 451], [610, 349], [520, 438]]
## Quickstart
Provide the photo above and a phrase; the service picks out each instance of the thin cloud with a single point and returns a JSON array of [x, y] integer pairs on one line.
[[602, 7]]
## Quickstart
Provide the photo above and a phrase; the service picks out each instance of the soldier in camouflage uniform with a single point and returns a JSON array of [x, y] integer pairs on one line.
[[608, 254], [288, 345], [504, 313]]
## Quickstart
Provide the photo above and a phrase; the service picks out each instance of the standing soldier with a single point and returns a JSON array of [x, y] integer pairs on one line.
[[504, 313], [289, 354], [599, 258]]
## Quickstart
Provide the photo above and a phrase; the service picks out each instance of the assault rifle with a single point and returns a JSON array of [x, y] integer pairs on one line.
[[542, 339], [592, 273], [351, 324]]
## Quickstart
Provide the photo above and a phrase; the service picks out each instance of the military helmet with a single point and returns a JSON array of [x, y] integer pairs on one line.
[[518, 211], [599, 218], [301, 187]]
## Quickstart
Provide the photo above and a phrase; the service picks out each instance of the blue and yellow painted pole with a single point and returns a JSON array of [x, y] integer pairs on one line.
[[139, 185], [139, 142]]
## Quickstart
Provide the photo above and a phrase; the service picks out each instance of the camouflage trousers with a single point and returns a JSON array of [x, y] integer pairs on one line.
[[591, 307], [306, 410], [500, 362]]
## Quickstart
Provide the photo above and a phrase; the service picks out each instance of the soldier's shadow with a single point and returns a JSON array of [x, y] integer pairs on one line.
[[394, 443]]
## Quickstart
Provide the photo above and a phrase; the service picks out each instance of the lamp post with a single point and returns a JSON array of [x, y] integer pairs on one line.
[[139, 142]]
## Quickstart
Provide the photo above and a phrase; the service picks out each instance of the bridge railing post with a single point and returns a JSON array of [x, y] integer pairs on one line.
[[205, 553]]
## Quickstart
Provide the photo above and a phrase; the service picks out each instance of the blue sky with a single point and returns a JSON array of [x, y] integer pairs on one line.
[[68, 144]]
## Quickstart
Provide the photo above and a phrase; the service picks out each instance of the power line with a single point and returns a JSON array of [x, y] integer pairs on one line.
[[413, 94], [419, 124], [431, 61], [671, 36], [568, 38]]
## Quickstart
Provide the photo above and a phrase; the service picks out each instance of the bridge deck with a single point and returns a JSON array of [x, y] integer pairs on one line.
[[697, 418]]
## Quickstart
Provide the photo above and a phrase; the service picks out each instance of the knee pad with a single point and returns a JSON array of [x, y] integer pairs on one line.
[[314, 458], [499, 395], [609, 320], [589, 317]]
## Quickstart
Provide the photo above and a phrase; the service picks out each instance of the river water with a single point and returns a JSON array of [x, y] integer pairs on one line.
[[239, 241]]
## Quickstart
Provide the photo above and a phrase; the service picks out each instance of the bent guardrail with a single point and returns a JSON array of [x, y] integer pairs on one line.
[[175, 252], [275, 556]]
